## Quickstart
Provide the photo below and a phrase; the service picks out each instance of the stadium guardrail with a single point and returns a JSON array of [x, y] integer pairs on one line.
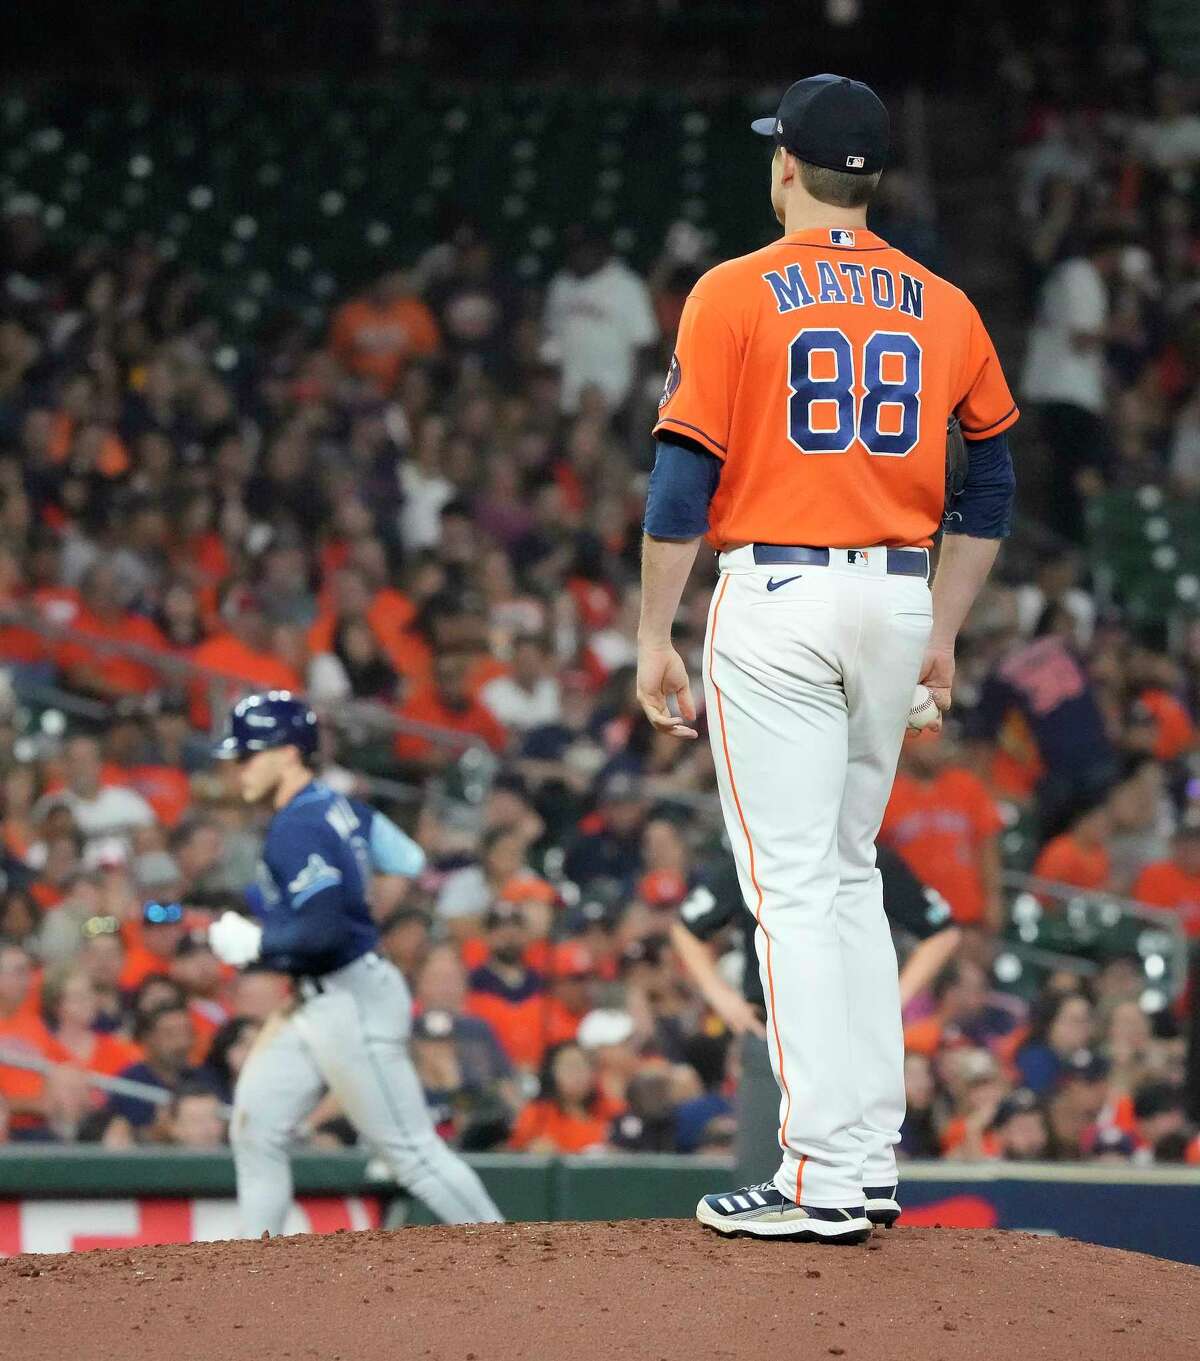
[[1054, 925], [170, 666], [56, 1198]]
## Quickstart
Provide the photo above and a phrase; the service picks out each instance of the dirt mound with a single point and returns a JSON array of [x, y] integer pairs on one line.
[[655, 1290]]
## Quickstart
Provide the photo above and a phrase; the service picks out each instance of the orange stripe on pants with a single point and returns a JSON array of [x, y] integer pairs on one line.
[[712, 638]]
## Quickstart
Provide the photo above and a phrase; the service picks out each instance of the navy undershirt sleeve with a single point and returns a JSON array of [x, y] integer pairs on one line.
[[983, 509], [681, 486]]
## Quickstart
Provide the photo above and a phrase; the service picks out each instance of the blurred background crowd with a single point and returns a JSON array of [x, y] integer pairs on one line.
[[416, 499]]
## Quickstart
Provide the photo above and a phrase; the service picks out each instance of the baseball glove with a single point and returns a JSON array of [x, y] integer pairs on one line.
[[957, 460]]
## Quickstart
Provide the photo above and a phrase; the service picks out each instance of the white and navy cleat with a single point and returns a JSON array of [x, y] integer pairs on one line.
[[881, 1205], [765, 1212]]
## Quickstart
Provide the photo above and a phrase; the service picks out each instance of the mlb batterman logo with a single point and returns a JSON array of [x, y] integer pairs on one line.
[[839, 236], [855, 162]]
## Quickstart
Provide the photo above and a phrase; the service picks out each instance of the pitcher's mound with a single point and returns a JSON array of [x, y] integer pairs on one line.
[[654, 1290]]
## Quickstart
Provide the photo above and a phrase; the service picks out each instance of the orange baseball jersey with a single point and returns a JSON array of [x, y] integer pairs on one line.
[[821, 371], [939, 827], [1164, 884]]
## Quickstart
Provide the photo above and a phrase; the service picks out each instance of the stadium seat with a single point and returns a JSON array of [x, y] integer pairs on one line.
[[312, 183]]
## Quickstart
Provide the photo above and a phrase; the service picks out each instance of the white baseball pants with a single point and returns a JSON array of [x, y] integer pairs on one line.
[[808, 675], [351, 1039]]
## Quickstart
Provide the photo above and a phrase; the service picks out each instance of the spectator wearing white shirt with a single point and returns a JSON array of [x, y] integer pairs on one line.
[[1056, 583], [425, 487], [598, 317], [529, 697], [1170, 141], [1065, 374], [99, 811]]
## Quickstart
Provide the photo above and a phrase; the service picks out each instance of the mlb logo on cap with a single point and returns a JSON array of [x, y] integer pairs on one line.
[[839, 236], [854, 162]]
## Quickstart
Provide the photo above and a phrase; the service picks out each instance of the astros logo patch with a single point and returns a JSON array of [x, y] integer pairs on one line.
[[674, 373]]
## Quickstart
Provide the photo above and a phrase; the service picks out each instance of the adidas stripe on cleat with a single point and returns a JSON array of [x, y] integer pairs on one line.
[[763, 1211], [881, 1205]]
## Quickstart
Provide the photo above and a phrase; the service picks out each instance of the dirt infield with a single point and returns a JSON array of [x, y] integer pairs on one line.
[[655, 1290]]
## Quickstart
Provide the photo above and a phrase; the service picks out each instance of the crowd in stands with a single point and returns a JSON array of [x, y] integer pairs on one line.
[[426, 517], [1107, 191]]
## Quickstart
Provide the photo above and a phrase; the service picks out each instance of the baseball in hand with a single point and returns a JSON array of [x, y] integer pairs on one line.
[[923, 712]]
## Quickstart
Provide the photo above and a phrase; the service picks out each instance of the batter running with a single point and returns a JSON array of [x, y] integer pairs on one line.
[[348, 1031], [803, 427]]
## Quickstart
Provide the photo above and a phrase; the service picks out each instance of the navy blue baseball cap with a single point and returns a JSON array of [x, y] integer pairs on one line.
[[833, 122], [273, 719]]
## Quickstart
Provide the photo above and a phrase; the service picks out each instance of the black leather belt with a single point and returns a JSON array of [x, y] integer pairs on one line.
[[311, 985], [904, 562]]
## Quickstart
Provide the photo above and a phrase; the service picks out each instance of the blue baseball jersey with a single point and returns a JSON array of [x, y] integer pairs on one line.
[[311, 888]]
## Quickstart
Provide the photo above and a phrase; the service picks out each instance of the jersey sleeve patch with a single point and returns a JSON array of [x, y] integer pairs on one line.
[[317, 874], [674, 373]]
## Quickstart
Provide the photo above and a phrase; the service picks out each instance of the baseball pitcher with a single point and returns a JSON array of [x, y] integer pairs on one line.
[[803, 428], [348, 1032]]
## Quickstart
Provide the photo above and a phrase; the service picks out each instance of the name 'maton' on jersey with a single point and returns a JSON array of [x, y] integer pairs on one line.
[[821, 371]]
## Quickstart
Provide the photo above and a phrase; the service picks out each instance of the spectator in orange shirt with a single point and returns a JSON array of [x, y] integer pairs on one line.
[[572, 974], [104, 617], [1170, 730], [944, 823], [164, 787], [447, 704], [376, 335], [152, 942], [1164, 727], [385, 614], [1175, 883], [1018, 1132], [21, 1030], [977, 1085], [161, 989], [565, 1118], [607, 1036], [202, 977], [506, 993], [71, 1009], [19, 644], [242, 654], [100, 810], [1078, 856]]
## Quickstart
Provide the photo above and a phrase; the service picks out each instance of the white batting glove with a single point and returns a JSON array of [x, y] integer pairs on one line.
[[235, 940]]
